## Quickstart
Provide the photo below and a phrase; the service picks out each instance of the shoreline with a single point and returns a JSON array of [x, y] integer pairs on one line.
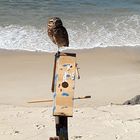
[[77, 50]]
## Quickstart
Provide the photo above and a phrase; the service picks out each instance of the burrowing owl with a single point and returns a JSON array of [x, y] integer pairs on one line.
[[57, 33]]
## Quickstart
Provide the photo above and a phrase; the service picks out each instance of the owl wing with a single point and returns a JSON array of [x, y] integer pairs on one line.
[[61, 36]]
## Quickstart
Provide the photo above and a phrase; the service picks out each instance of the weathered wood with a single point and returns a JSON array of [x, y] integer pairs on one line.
[[84, 97], [64, 84], [54, 138], [54, 71], [40, 101], [50, 100], [61, 127]]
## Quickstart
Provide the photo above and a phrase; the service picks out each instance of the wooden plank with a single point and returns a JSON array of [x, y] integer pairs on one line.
[[50, 100], [54, 71], [64, 83], [54, 138]]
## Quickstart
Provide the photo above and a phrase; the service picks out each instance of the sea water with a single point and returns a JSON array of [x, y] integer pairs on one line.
[[90, 23]]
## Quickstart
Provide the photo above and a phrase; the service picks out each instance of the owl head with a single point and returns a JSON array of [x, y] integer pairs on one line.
[[54, 22]]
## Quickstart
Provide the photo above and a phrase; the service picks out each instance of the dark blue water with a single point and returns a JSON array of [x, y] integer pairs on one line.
[[36, 12], [90, 23]]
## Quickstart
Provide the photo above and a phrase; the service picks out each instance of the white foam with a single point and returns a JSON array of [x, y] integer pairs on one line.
[[120, 31], [25, 38]]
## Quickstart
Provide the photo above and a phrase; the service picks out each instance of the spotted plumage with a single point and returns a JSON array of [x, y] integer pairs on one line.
[[57, 32]]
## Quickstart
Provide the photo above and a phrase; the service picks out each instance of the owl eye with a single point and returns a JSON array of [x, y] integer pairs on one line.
[[51, 21]]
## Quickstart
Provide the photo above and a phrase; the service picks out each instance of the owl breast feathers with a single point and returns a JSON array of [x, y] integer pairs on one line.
[[57, 33]]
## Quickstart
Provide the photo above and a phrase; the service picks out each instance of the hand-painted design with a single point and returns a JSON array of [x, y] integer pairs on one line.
[[73, 76], [68, 66], [59, 86], [68, 75], [54, 95], [65, 77], [65, 65], [65, 84], [54, 108], [65, 94]]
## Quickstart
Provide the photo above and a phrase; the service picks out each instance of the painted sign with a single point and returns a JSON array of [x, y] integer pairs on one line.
[[64, 84]]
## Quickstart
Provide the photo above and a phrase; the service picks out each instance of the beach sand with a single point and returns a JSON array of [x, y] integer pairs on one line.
[[109, 75], [101, 123]]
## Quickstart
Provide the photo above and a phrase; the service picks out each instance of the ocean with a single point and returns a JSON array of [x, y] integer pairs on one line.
[[90, 23]]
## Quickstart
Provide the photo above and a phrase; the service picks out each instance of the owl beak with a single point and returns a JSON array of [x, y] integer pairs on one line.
[[49, 25]]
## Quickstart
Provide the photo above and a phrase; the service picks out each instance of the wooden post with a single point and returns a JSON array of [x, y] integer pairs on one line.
[[54, 138], [63, 86], [62, 127], [54, 70]]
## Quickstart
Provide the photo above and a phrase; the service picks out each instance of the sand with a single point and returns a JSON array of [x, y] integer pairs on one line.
[[109, 75], [101, 123]]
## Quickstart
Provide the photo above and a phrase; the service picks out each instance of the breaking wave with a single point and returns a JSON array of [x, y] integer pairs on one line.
[[116, 32]]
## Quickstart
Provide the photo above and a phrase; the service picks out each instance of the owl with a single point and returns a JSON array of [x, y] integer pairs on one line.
[[57, 32]]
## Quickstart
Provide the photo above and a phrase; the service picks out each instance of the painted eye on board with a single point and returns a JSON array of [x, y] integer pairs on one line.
[[65, 84]]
